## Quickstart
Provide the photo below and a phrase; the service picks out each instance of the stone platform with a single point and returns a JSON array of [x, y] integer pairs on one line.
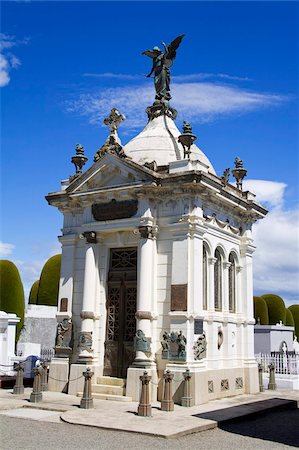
[[122, 416]]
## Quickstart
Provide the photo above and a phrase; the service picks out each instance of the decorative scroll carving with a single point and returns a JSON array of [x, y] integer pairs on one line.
[[141, 342], [90, 236], [85, 341], [174, 346], [147, 232], [200, 347], [114, 210], [220, 338], [178, 297]]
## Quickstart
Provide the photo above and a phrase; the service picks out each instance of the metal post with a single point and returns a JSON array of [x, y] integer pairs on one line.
[[261, 384], [19, 385], [36, 395], [86, 400], [272, 385], [187, 399], [44, 382], [144, 407], [167, 403]]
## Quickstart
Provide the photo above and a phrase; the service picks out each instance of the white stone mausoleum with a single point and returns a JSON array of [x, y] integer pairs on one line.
[[156, 267]]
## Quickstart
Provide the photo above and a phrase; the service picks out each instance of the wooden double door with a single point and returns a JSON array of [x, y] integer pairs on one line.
[[121, 310]]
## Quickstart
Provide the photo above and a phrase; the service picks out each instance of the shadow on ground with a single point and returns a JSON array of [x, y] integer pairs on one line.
[[280, 426]]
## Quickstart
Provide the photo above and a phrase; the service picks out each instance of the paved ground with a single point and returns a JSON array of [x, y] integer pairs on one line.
[[29, 425], [270, 432]]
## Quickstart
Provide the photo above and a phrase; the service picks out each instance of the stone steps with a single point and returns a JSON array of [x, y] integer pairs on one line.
[[109, 388], [117, 398], [112, 381]]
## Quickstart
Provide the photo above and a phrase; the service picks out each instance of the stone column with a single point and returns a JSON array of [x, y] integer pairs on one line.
[[145, 289], [225, 298], [144, 407], [167, 403], [86, 400], [19, 385], [36, 395], [87, 314], [66, 284], [211, 289]]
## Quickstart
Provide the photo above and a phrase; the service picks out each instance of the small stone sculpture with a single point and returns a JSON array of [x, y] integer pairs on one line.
[[200, 347], [141, 342], [64, 329]]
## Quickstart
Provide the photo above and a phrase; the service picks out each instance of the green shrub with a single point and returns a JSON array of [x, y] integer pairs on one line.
[[49, 282], [289, 319], [295, 313], [33, 293], [276, 308], [12, 298], [260, 311]]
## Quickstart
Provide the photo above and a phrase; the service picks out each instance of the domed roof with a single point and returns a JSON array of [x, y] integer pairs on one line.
[[159, 142]]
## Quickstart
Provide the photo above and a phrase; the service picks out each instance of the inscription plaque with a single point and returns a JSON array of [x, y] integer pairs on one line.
[[178, 297], [63, 304], [114, 210], [198, 326]]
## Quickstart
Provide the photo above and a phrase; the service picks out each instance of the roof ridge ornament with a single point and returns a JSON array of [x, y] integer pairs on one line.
[[113, 143], [239, 173], [79, 160]]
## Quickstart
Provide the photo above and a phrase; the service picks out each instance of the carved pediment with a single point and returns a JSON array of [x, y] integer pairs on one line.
[[109, 172]]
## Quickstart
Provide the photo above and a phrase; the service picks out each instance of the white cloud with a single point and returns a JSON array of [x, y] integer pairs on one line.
[[198, 102], [276, 260], [8, 60], [6, 249], [269, 192]]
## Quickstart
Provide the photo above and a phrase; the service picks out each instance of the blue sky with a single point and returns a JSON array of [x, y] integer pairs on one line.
[[65, 64]]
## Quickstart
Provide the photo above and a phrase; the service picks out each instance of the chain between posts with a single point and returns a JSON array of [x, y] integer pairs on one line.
[[63, 381]]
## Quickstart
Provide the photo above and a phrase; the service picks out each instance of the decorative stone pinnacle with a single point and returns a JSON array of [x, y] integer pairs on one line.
[[113, 121], [239, 173], [187, 138], [79, 159]]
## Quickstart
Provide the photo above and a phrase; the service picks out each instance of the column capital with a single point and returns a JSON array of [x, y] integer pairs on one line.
[[226, 265], [212, 261], [148, 231], [90, 237]]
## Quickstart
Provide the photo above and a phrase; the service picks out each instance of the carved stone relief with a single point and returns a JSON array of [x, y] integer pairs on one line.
[[85, 341], [200, 347], [141, 342], [174, 346]]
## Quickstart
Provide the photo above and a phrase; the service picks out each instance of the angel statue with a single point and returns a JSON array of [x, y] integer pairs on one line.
[[161, 65]]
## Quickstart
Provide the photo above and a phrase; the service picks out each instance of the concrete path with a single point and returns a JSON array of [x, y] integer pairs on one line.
[[122, 416]]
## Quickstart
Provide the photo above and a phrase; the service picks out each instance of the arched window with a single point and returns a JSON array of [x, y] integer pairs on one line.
[[232, 283], [218, 281], [204, 277]]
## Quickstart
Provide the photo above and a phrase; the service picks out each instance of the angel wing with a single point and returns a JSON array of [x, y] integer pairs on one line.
[[150, 53], [171, 50]]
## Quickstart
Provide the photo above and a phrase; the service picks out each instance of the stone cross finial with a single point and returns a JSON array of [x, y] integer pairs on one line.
[[113, 121]]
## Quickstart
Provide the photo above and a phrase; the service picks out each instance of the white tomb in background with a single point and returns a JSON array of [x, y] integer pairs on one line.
[[153, 245], [8, 325]]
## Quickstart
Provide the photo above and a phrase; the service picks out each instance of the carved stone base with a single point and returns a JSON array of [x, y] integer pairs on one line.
[[167, 405], [144, 410], [36, 397], [187, 402], [63, 352]]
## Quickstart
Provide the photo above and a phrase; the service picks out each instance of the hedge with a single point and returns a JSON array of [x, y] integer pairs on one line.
[[49, 282], [260, 311], [295, 313], [276, 308]]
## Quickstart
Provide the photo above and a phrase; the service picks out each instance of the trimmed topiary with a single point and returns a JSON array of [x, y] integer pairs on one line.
[[289, 319], [33, 293], [276, 308], [12, 299], [295, 313], [260, 311], [49, 282]]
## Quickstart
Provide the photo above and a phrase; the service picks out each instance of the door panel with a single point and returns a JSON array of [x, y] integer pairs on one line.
[[121, 309]]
